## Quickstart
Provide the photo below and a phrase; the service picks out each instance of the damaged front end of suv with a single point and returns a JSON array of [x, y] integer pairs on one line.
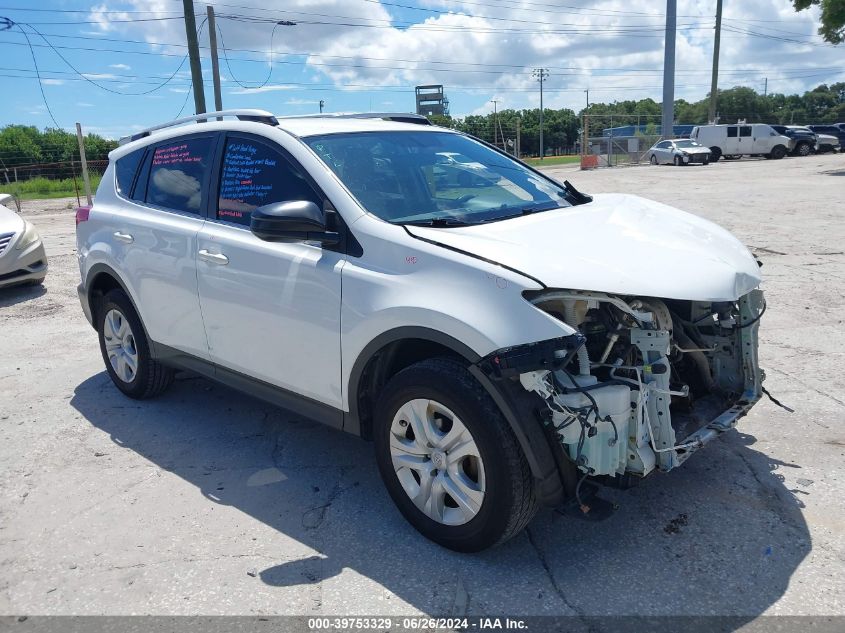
[[643, 382]]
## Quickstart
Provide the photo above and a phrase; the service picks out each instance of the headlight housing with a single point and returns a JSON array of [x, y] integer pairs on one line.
[[30, 235]]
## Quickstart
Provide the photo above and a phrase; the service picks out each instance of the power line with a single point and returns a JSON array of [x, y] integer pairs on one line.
[[38, 73], [107, 89], [623, 71]]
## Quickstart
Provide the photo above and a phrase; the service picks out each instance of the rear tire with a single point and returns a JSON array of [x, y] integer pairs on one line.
[[653, 159], [126, 350], [778, 152], [715, 154], [429, 415]]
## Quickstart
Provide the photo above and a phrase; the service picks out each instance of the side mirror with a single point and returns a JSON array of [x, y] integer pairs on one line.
[[295, 221]]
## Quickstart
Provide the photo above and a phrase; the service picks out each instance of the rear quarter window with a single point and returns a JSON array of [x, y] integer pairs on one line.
[[179, 173], [125, 170]]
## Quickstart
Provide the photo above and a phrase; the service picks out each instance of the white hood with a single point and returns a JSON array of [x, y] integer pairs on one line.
[[10, 222], [619, 244]]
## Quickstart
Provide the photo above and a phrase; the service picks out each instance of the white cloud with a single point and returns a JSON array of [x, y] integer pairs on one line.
[[101, 76], [120, 66], [83, 104], [102, 16], [53, 82], [267, 88], [612, 47], [301, 102], [178, 90]]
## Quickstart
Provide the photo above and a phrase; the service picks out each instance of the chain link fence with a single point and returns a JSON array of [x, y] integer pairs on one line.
[[625, 141], [516, 140], [50, 180]]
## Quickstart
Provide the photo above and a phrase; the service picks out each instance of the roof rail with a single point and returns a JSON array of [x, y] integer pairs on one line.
[[399, 117], [258, 116]]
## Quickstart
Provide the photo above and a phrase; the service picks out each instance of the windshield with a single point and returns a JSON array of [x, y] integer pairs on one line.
[[436, 178], [686, 143]]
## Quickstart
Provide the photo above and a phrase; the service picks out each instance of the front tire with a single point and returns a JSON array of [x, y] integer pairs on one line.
[[449, 459], [803, 149], [126, 350], [778, 152]]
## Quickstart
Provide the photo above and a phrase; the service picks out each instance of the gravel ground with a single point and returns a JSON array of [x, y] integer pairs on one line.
[[207, 501]]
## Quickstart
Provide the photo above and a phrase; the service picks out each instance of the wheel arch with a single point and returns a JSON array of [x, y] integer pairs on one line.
[[100, 280], [384, 357], [396, 349]]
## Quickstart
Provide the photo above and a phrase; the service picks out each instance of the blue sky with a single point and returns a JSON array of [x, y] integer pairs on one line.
[[360, 55]]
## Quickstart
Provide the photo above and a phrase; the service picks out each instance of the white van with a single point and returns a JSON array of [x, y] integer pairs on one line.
[[742, 139]]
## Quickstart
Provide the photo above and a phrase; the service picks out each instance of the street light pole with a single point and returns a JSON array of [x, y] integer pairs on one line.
[[541, 74], [495, 122], [667, 125]]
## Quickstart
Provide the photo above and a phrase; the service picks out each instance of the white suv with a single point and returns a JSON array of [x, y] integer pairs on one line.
[[500, 341]]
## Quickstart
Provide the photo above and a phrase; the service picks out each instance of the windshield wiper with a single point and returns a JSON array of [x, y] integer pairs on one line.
[[576, 196], [438, 222]]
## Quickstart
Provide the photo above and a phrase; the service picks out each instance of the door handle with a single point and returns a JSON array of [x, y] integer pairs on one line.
[[213, 258], [123, 237]]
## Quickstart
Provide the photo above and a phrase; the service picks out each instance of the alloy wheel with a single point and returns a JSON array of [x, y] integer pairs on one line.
[[120, 345], [437, 462]]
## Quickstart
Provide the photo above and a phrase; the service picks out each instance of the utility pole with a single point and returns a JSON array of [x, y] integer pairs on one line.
[[541, 74], [495, 122], [588, 98], [766, 88], [322, 104], [518, 137], [215, 64], [714, 81], [81, 140], [667, 126], [194, 54]]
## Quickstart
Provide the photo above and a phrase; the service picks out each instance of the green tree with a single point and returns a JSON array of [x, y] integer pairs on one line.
[[832, 28]]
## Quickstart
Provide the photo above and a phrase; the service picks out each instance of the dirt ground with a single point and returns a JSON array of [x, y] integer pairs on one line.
[[207, 501]]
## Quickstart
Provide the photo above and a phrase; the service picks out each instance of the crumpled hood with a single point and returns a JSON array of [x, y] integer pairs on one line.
[[619, 244]]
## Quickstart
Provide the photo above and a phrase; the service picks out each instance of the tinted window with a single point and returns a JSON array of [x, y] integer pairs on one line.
[[125, 170], [178, 174], [411, 177], [731, 132], [255, 174], [745, 130], [664, 145]]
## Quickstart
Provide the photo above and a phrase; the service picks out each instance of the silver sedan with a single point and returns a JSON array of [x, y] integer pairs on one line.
[[22, 256], [682, 151]]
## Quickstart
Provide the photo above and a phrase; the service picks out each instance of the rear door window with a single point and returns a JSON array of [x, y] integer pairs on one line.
[[731, 132], [745, 130], [254, 174], [125, 169], [179, 172]]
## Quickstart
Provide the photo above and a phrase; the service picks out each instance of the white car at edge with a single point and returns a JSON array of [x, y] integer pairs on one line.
[[22, 256], [503, 347]]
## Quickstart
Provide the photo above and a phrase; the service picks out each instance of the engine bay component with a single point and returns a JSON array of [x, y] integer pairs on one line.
[[667, 377]]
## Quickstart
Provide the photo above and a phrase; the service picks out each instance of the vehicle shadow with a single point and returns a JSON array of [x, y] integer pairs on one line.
[[722, 535], [12, 295]]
